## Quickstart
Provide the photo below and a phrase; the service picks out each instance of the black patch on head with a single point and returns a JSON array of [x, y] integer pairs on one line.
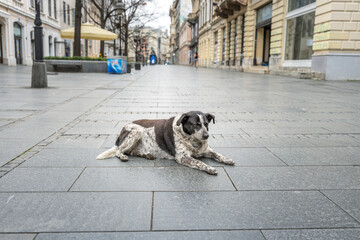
[[191, 122]]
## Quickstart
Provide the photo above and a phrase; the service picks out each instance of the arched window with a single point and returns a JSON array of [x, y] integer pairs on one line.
[[50, 45], [55, 50]]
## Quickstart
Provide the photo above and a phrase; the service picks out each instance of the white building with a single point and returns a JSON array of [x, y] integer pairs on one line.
[[17, 30]]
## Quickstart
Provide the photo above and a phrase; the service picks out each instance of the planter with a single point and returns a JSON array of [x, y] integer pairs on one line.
[[76, 66], [128, 68]]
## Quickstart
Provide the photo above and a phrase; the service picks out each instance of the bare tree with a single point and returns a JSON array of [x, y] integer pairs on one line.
[[134, 14]]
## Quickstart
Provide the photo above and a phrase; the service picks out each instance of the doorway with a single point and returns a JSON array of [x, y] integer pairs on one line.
[[1, 49], [18, 41], [263, 35]]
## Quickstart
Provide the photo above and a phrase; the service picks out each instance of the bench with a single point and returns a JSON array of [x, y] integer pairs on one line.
[[71, 65]]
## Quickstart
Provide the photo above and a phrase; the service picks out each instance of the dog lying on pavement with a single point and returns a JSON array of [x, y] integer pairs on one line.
[[182, 138]]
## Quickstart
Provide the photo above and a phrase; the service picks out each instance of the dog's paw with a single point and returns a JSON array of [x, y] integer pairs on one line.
[[228, 161], [212, 171], [122, 157]]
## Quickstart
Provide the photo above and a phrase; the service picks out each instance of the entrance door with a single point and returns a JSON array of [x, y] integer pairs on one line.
[[18, 38], [266, 48], [18, 50], [1, 50]]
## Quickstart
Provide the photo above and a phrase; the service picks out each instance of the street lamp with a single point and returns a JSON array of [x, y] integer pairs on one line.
[[120, 8], [38, 76]]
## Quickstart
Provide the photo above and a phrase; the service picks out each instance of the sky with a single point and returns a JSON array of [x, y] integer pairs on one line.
[[161, 7]]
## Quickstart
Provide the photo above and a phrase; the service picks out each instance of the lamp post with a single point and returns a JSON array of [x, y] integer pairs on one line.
[[38, 76], [120, 8]]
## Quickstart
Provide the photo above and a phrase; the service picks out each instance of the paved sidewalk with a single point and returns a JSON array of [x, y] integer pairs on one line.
[[296, 144]]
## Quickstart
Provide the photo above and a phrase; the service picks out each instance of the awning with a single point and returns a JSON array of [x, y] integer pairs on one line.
[[89, 31]]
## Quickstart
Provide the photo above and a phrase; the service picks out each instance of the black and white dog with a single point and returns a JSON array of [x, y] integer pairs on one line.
[[182, 138]]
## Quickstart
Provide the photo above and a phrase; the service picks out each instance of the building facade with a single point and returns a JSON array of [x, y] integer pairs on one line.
[[17, 43], [308, 39]]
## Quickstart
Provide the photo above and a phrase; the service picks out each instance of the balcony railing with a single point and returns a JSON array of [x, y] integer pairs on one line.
[[226, 8]]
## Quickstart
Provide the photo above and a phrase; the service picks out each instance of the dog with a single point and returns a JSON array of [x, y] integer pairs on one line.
[[183, 138]]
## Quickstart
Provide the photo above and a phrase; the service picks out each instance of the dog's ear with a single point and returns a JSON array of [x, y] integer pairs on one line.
[[210, 117], [183, 119]]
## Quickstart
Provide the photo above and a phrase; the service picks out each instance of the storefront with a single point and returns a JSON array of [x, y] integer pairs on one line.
[[263, 35]]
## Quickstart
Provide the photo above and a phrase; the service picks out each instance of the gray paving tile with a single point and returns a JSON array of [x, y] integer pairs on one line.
[[64, 212], [294, 178], [347, 200], [78, 141], [82, 157], [206, 235], [247, 210], [151, 179], [39, 179], [318, 234], [17, 236], [319, 155], [290, 131], [334, 140]]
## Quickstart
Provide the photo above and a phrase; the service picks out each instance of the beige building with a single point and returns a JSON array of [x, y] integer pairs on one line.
[[310, 39]]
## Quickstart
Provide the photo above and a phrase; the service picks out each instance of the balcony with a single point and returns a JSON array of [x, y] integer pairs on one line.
[[192, 18], [226, 8]]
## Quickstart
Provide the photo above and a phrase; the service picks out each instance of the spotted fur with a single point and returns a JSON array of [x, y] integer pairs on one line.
[[183, 138]]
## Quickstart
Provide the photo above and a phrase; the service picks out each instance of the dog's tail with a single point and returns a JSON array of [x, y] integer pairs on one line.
[[108, 153]]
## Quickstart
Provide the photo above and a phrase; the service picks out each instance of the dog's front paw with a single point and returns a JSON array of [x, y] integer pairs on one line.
[[228, 161], [211, 171]]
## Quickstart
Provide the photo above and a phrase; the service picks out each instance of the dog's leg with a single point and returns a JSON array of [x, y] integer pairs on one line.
[[130, 141], [194, 163], [218, 157]]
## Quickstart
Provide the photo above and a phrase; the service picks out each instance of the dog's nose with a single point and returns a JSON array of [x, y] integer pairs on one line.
[[205, 136]]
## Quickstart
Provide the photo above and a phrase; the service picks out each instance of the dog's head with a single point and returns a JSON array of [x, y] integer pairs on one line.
[[196, 124]]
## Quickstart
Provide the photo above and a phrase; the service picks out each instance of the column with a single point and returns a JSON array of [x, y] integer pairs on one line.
[[277, 26]]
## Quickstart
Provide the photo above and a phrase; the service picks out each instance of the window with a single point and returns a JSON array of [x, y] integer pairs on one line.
[[64, 11], [235, 38], [73, 16], [55, 15], [32, 3], [41, 6], [50, 46], [299, 29], [295, 4], [49, 7], [264, 13], [215, 45], [299, 37], [223, 45], [68, 11]]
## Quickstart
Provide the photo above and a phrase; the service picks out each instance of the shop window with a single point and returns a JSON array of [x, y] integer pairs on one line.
[[215, 46], [235, 38], [295, 4], [223, 45], [300, 30]]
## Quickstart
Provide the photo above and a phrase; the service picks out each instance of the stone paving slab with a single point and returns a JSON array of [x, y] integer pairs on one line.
[[318, 234], [247, 210], [151, 179], [319, 155], [64, 212], [205, 235], [295, 178], [39, 179], [72, 157], [347, 200], [17, 236], [78, 141]]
